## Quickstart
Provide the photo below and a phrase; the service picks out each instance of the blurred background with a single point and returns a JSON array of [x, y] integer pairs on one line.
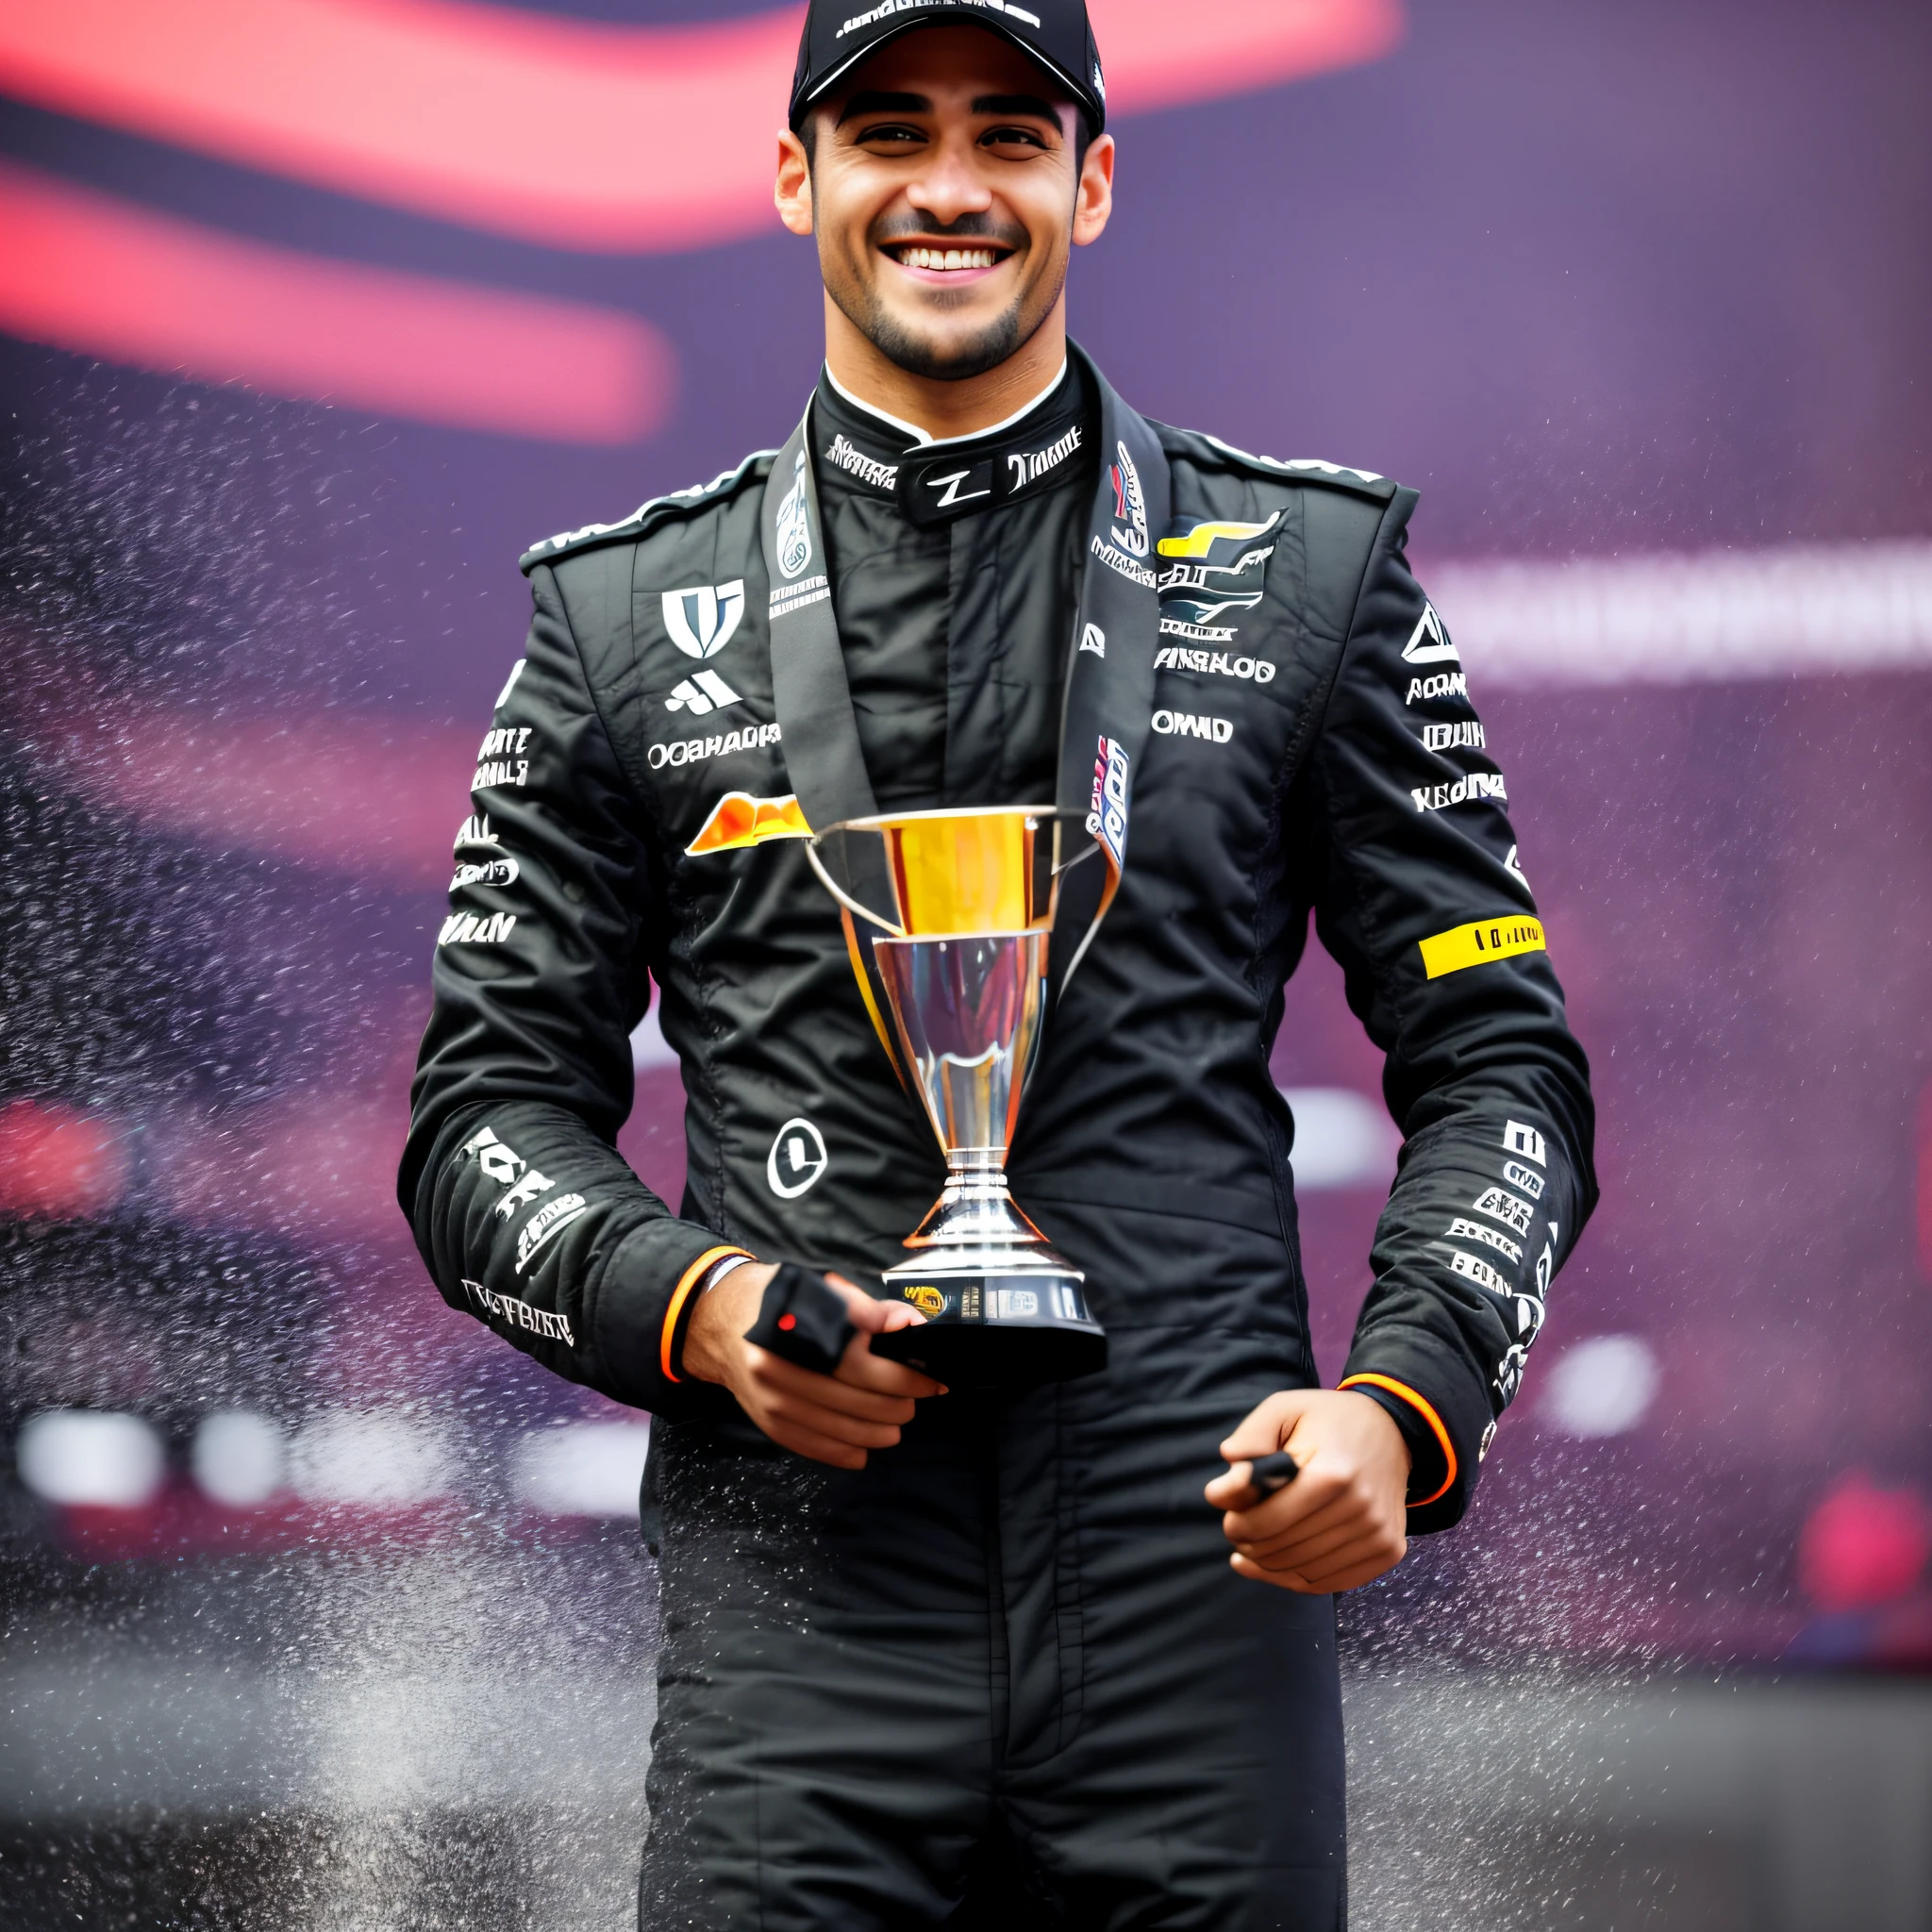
[[320, 1609]]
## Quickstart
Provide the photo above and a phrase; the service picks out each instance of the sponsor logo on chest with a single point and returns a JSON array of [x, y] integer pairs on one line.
[[1119, 562], [1129, 505], [1207, 585], [796, 1160], [701, 692], [702, 621], [1214, 663], [1106, 816], [1188, 724], [696, 751]]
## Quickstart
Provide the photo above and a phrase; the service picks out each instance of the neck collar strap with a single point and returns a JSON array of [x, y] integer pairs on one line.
[[1048, 444]]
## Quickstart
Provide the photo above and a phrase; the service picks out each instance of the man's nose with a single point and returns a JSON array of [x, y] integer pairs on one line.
[[949, 185]]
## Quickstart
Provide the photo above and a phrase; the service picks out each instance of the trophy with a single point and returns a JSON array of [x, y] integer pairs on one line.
[[960, 963]]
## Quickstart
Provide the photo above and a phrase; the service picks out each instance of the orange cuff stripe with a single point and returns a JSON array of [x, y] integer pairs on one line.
[[1429, 1415], [687, 1281]]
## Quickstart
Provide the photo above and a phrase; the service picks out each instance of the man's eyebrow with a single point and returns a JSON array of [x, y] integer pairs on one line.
[[887, 104], [1017, 104]]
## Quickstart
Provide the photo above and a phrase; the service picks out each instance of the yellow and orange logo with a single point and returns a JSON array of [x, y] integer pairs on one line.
[[1200, 540], [739, 819], [927, 1299]]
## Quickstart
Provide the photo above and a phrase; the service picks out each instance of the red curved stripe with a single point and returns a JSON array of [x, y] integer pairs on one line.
[[84, 271], [60, 1162], [1159, 55], [566, 132]]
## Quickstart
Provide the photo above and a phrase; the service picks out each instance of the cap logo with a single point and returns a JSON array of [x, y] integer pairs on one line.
[[886, 9]]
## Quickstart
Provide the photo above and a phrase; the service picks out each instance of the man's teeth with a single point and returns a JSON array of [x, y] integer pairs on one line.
[[946, 257]]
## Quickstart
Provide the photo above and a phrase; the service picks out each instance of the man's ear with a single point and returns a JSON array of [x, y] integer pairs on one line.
[[1093, 194], [792, 192]]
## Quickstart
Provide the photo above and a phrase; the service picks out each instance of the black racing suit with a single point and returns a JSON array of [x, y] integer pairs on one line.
[[1007, 1664]]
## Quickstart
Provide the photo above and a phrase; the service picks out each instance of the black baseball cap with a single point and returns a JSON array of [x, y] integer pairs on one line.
[[840, 33]]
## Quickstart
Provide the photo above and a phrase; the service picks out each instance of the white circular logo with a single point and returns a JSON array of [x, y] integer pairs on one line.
[[796, 1160]]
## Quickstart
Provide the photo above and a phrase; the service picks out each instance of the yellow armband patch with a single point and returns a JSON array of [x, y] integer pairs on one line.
[[1483, 940]]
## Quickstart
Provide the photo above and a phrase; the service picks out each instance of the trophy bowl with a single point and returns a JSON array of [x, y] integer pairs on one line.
[[959, 963]]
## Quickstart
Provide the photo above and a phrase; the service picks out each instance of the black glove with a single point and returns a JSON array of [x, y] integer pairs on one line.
[[803, 1320]]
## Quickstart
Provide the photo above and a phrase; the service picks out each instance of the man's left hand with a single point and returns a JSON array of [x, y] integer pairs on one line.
[[1341, 1522]]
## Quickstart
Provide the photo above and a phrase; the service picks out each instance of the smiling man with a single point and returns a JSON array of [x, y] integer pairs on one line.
[[964, 1657]]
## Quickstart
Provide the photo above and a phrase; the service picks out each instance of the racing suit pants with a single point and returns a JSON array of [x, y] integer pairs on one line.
[[1003, 1675]]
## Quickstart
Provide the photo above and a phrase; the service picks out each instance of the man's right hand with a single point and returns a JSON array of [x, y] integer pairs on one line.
[[836, 1419]]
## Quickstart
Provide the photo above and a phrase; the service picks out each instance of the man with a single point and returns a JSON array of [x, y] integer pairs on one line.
[[930, 1657]]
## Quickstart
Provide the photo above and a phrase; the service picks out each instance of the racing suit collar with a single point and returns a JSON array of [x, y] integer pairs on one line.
[[830, 387], [1109, 690], [1048, 443]]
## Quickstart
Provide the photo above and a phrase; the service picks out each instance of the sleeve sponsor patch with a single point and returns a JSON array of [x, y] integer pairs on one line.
[[1464, 1229], [1479, 942], [520, 1314], [473, 929], [1499, 1204], [1471, 1268], [1516, 1175], [550, 1219]]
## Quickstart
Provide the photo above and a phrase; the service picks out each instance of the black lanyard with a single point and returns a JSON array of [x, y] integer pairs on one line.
[[1109, 698]]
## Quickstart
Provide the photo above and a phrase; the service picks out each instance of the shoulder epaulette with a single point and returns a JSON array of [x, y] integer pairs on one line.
[[1300, 468], [647, 515]]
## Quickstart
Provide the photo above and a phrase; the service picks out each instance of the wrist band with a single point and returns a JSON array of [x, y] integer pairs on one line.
[[706, 1272], [1421, 1407]]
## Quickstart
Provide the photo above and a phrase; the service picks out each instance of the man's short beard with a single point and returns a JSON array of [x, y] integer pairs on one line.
[[917, 356], [915, 353]]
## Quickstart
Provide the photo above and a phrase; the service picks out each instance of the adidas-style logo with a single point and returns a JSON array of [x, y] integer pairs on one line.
[[701, 694]]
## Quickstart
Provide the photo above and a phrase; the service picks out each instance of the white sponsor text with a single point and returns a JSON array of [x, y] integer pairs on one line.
[[1445, 684], [691, 751], [1186, 725], [550, 1219], [520, 1314], [1477, 785], [1461, 1229], [1216, 663]]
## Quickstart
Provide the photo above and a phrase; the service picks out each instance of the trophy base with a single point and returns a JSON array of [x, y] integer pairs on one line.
[[1001, 1310], [994, 1318]]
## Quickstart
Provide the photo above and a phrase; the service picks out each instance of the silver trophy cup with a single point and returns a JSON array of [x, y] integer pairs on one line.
[[961, 964]]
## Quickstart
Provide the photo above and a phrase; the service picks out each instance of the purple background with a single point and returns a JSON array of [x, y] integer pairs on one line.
[[1595, 279]]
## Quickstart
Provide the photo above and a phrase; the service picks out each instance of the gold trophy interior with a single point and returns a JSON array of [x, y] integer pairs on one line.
[[961, 960]]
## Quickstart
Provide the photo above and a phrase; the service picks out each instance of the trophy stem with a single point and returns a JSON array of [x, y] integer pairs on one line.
[[975, 1233], [976, 1206]]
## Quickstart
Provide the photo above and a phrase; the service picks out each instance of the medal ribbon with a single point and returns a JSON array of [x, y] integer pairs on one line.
[[808, 687], [1109, 694], [1109, 700]]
